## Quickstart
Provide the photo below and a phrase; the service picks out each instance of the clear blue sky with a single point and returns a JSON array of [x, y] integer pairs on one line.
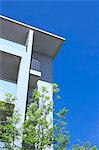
[[76, 67]]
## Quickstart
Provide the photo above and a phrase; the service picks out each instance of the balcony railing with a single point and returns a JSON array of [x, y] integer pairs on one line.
[[35, 64]]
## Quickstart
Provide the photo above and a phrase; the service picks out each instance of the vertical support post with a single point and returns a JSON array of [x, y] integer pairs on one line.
[[23, 78]]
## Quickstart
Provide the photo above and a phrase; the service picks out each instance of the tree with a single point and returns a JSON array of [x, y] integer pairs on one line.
[[61, 135], [83, 146], [37, 129], [9, 118]]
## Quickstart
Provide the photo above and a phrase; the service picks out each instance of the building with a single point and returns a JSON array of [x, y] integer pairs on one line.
[[26, 56]]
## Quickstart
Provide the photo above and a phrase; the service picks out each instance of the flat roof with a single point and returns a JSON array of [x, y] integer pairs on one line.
[[44, 42], [33, 28]]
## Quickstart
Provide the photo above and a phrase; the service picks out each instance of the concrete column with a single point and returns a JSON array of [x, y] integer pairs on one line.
[[23, 77]]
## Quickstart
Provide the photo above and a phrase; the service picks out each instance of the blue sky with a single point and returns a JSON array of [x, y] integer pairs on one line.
[[76, 67]]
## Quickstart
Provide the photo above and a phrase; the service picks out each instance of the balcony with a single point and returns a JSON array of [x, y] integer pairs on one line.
[[35, 72]]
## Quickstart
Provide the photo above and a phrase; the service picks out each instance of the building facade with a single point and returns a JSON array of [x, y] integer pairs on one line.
[[26, 56]]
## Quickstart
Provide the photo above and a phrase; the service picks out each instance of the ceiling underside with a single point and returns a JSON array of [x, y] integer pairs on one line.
[[43, 43]]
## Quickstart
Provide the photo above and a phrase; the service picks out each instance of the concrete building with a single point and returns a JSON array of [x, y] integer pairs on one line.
[[26, 56]]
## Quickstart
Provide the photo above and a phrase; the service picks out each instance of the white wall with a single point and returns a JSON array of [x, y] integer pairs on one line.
[[22, 85], [23, 75]]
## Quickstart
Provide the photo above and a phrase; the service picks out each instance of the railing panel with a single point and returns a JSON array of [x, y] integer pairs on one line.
[[35, 64]]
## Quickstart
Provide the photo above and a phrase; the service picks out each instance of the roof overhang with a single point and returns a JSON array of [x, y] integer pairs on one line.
[[44, 42]]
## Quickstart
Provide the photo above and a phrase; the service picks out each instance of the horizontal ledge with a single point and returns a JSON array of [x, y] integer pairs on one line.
[[9, 51], [35, 72]]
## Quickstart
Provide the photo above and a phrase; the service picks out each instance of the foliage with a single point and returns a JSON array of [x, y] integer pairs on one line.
[[61, 135], [83, 146], [37, 129], [9, 132]]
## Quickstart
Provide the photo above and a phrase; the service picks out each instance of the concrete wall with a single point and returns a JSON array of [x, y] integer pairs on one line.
[[45, 66], [23, 76]]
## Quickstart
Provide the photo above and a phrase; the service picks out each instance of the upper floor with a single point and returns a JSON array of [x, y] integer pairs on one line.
[[13, 46]]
